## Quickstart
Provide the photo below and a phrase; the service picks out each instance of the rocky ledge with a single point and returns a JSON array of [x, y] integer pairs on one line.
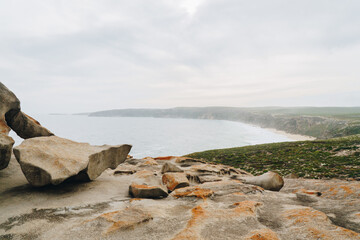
[[178, 198]]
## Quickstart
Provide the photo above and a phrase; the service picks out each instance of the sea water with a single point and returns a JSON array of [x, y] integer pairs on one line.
[[157, 136]]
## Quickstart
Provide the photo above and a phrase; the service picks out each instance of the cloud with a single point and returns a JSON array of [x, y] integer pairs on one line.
[[75, 56]]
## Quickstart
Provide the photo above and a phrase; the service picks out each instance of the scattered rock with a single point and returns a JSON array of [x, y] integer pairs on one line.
[[52, 160], [145, 191], [269, 181], [169, 167], [209, 178], [175, 180], [6, 144]]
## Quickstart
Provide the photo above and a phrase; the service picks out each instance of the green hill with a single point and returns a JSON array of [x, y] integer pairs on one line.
[[332, 158]]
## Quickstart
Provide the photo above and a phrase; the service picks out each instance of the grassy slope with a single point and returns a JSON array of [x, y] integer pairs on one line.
[[332, 158]]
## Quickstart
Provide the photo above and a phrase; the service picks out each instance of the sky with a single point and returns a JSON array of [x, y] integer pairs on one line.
[[75, 56]]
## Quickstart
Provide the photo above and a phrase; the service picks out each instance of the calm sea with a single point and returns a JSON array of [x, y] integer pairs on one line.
[[157, 136]]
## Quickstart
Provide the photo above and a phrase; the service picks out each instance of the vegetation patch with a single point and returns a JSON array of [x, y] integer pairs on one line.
[[331, 158]]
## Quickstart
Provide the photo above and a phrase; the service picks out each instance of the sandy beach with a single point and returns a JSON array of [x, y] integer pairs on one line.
[[296, 137]]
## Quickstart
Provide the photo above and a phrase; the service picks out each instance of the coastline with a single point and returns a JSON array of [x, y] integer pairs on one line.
[[296, 137]]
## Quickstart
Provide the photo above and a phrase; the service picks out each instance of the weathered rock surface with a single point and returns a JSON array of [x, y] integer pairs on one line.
[[175, 180], [226, 209], [170, 167], [6, 144], [269, 181], [8, 102], [52, 160], [12, 117], [26, 126]]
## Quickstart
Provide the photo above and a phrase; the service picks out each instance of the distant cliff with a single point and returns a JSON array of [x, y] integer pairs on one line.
[[317, 122]]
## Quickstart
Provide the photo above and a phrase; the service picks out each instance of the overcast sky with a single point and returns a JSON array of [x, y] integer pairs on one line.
[[80, 56]]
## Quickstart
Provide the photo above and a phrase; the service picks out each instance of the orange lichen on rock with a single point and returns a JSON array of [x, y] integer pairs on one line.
[[151, 162], [193, 192], [352, 189], [305, 215], [174, 180], [262, 234], [165, 158], [310, 192], [4, 128], [139, 186], [123, 219], [246, 208], [190, 232]]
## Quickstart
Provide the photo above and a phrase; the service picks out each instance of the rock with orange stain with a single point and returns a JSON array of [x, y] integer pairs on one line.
[[262, 234], [145, 191], [125, 219], [10, 104], [313, 224], [307, 195], [6, 144], [52, 160], [192, 192], [150, 162], [175, 180], [166, 158], [169, 167]]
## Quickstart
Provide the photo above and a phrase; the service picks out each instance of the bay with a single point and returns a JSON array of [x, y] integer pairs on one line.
[[157, 136]]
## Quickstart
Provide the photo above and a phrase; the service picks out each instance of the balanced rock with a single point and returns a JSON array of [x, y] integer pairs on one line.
[[269, 181], [9, 102], [6, 144], [52, 160], [169, 167], [12, 117], [175, 180]]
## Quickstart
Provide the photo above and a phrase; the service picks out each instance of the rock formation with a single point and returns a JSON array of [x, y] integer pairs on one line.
[[229, 208], [12, 117], [52, 160], [6, 144]]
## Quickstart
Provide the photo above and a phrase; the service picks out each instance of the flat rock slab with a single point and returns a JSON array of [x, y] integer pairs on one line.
[[52, 160], [145, 191], [6, 144]]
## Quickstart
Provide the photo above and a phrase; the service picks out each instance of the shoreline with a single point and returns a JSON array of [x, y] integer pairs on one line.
[[296, 137]]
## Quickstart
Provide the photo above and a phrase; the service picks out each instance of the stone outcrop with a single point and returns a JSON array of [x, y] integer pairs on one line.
[[6, 144], [225, 209], [11, 117], [52, 160]]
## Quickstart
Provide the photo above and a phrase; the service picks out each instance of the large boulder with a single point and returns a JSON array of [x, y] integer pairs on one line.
[[8, 102], [12, 117], [6, 144], [52, 160], [269, 181]]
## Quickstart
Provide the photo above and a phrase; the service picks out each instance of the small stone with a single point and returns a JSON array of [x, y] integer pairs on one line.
[[169, 167], [145, 191], [175, 180]]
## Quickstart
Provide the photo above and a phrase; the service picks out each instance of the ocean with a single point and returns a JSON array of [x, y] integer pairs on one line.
[[157, 136]]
